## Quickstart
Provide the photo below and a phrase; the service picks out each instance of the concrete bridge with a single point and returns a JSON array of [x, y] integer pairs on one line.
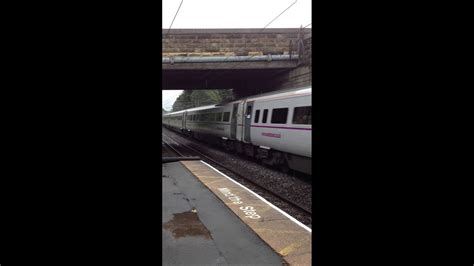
[[247, 60]]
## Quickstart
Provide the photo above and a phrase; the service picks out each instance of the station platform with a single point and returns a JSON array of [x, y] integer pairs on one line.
[[209, 219]]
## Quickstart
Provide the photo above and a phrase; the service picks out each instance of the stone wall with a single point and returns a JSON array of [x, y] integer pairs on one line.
[[229, 42]]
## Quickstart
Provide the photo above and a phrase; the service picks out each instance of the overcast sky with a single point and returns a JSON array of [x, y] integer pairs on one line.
[[235, 14], [213, 14]]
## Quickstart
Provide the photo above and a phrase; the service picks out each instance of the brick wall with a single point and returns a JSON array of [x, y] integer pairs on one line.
[[225, 42]]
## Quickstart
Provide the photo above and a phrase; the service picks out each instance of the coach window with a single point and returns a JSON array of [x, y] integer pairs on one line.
[[226, 116], [279, 115], [219, 117], [302, 115], [249, 111], [264, 118], [257, 115]]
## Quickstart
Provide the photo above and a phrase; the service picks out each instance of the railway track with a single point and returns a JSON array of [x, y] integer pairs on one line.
[[172, 143], [172, 148]]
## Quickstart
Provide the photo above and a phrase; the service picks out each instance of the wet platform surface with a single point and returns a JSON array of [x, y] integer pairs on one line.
[[282, 232], [200, 229]]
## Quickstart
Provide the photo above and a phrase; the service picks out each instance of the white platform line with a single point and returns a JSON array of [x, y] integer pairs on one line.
[[264, 200]]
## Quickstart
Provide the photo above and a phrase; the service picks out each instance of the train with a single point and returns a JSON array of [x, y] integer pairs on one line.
[[273, 127]]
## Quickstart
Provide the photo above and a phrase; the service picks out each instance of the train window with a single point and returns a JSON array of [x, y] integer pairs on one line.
[[302, 115], [226, 116], [219, 117], [212, 117], [264, 118], [279, 115], [257, 115]]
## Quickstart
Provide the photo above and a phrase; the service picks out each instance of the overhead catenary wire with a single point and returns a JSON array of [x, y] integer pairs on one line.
[[268, 24], [174, 18], [278, 16]]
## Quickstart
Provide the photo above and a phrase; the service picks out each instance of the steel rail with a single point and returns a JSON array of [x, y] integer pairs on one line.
[[244, 177], [172, 148]]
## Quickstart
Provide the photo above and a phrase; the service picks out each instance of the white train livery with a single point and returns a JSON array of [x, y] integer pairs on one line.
[[274, 127]]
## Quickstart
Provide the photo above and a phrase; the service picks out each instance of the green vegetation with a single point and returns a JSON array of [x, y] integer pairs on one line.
[[196, 98]]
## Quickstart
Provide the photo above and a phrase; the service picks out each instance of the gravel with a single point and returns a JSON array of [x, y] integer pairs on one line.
[[295, 187]]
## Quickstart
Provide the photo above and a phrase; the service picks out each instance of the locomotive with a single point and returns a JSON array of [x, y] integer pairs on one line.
[[273, 127]]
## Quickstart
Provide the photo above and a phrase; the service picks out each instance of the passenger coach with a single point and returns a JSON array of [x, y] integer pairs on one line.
[[274, 127]]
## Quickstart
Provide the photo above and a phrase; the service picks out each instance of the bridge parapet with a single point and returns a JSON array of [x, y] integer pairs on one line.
[[230, 42], [247, 60]]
